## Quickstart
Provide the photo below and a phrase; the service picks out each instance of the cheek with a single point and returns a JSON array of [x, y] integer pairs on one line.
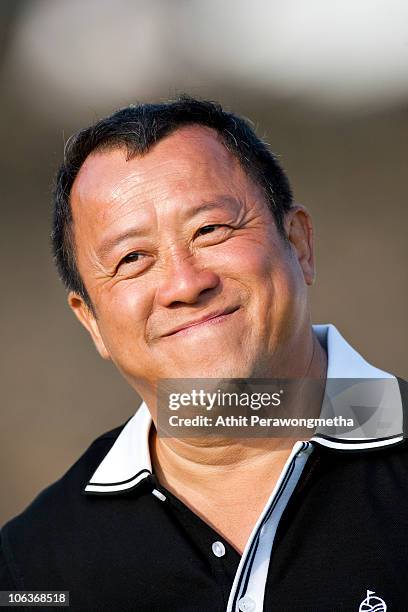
[[124, 311], [263, 268], [272, 281], [237, 255]]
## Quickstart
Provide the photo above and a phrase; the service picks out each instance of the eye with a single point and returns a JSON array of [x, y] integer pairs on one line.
[[208, 229], [131, 257]]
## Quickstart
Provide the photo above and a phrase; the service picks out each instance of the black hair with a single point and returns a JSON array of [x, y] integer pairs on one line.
[[138, 128]]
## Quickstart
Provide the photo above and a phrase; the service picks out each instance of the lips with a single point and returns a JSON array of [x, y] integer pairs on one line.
[[202, 319]]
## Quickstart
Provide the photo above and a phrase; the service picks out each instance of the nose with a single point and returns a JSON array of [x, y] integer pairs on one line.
[[184, 281]]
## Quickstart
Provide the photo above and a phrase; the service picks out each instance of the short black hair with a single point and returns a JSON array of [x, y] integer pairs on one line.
[[138, 128]]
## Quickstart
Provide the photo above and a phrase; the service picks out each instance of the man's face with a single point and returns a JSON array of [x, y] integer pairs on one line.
[[178, 235]]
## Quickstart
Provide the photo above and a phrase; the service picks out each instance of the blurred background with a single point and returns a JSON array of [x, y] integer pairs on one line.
[[326, 85]]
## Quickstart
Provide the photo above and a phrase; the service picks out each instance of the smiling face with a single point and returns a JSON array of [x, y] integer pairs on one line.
[[179, 235]]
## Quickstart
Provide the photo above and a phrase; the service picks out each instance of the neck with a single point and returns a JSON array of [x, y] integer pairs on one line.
[[205, 464]]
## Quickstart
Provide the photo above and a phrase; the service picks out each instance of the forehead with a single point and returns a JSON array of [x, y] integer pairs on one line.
[[198, 151]]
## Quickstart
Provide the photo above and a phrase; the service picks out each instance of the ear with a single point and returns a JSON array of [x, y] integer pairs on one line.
[[88, 320], [299, 230]]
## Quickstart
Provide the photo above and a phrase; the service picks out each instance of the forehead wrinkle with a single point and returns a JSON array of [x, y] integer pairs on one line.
[[177, 165], [140, 187], [170, 156], [176, 156]]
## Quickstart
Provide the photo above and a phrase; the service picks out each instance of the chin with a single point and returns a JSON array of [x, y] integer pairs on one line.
[[217, 369]]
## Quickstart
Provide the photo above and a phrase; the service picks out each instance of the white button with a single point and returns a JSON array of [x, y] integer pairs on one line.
[[159, 495], [218, 549], [247, 604]]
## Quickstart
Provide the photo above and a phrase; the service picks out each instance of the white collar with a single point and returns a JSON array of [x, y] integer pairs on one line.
[[128, 461]]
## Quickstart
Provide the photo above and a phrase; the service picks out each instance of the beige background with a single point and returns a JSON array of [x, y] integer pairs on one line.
[[349, 166]]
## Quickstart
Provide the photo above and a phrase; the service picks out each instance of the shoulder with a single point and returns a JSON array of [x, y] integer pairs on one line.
[[53, 514]]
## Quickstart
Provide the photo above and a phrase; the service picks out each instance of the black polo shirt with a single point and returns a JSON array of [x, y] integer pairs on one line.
[[332, 536]]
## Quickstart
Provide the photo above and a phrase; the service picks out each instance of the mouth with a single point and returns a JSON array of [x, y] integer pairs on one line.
[[210, 319]]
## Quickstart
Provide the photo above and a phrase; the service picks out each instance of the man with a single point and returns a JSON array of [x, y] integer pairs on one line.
[[185, 258]]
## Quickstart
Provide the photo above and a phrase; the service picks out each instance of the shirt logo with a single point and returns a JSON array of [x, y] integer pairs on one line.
[[372, 603]]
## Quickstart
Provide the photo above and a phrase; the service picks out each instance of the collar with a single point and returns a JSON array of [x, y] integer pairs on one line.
[[128, 461]]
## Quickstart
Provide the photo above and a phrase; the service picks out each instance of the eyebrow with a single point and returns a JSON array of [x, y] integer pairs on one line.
[[218, 202], [109, 244]]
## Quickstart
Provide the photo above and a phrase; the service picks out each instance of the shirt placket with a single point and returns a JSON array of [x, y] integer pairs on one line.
[[248, 589], [219, 556]]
